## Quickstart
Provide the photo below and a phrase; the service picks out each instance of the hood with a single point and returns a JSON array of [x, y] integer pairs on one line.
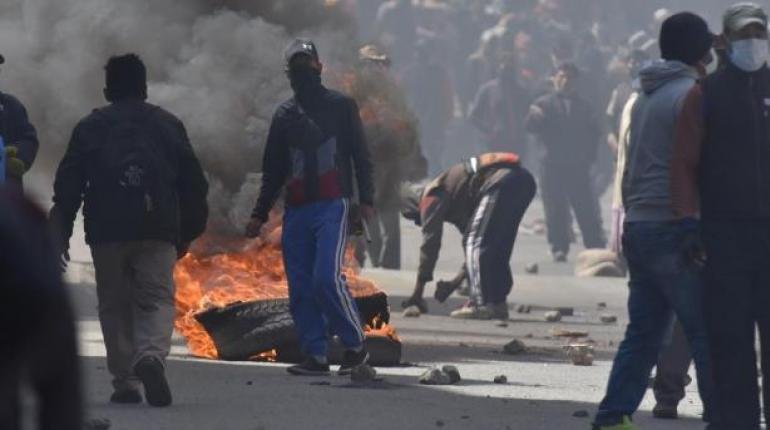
[[659, 73]]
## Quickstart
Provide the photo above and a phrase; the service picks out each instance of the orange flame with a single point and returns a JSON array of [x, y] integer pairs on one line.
[[255, 272]]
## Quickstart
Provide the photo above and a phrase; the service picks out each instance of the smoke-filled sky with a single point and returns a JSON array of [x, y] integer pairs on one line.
[[215, 64]]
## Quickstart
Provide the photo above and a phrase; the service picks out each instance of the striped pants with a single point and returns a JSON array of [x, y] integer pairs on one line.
[[492, 233], [314, 241]]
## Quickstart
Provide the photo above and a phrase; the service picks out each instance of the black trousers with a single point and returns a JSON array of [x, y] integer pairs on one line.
[[492, 233], [737, 301], [564, 188]]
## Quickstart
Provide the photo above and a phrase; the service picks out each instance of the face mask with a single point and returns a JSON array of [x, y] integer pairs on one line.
[[749, 55], [304, 79]]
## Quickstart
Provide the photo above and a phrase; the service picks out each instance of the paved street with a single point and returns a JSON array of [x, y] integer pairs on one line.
[[543, 391]]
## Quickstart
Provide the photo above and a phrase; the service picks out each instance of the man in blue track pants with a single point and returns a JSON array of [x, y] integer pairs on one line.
[[316, 150]]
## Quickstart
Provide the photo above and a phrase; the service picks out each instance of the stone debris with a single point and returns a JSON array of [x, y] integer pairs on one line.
[[363, 373], [560, 332], [566, 312], [602, 305], [439, 423], [532, 268], [412, 312], [435, 376], [580, 354], [453, 372], [581, 414], [502, 324], [515, 347], [608, 319], [501, 379], [524, 309], [599, 263], [552, 316]]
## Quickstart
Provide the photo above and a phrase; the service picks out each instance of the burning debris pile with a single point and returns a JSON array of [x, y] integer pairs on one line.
[[233, 305]]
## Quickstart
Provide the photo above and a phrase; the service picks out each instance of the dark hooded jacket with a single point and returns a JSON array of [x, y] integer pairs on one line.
[[178, 218]]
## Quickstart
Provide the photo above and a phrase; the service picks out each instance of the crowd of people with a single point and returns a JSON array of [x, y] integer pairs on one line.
[[677, 117]]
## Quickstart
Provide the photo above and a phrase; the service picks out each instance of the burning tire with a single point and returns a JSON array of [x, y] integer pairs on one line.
[[247, 329]]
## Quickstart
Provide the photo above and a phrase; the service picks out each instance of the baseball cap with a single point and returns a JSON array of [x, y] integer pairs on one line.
[[742, 14], [300, 47]]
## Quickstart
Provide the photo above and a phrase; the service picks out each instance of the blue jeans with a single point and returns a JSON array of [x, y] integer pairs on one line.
[[662, 285], [314, 240]]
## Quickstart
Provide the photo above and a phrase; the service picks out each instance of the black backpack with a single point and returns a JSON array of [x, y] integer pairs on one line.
[[133, 170]]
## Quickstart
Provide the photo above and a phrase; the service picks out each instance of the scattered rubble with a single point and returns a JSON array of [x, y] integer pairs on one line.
[[501, 379], [453, 372], [532, 268], [515, 347], [566, 312], [560, 332], [448, 375], [599, 263], [608, 319], [602, 305], [552, 316], [524, 309], [412, 312], [580, 354], [363, 373]]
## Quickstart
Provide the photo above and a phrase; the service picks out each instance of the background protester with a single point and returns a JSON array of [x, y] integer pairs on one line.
[[133, 167], [566, 126], [721, 187]]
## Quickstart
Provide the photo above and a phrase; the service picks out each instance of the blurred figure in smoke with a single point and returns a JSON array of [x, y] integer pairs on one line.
[[317, 150], [663, 283], [19, 139], [567, 128], [391, 133], [38, 336], [479, 67], [720, 186], [499, 109], [485, 198], [431, 97], [145, 202], [396, 29]]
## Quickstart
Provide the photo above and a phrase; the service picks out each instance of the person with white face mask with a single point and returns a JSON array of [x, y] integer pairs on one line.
[[721, 188]]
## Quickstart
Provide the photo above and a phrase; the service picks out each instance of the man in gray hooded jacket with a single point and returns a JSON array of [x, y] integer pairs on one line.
[[663, 283]]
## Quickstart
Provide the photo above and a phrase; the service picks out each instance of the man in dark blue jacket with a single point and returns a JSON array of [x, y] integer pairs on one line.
[[315, 144], [19, 138], [145, 201]]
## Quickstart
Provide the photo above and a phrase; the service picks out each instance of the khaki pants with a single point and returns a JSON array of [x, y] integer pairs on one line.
[[135, 288]]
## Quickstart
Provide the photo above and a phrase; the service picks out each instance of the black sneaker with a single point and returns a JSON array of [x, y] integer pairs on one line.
[[309, 367], [351, 360], [156, 390], [125, 396], [421, 304]]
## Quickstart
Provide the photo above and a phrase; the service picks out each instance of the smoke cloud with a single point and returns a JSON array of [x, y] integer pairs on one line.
[[215, 64]]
